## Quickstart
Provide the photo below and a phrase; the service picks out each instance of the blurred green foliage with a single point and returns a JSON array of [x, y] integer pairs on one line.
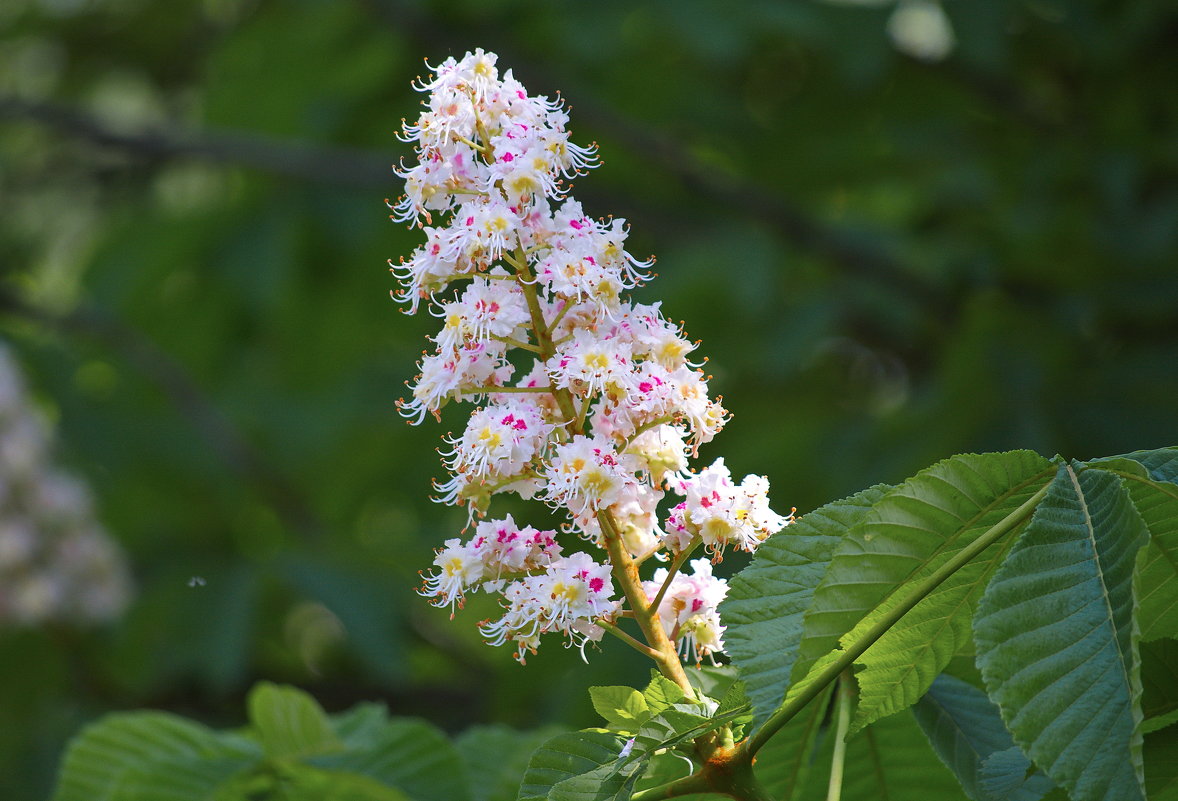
[[888, 260]]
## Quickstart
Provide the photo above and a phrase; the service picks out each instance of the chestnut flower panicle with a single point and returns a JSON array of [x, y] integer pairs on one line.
[[604, 421]]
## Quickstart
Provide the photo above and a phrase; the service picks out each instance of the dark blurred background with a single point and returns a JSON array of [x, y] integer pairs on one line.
[[902, 231]]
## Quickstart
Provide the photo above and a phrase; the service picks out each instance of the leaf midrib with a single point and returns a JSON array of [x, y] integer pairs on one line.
[[947, 618], [1091, 531], [943, 548]]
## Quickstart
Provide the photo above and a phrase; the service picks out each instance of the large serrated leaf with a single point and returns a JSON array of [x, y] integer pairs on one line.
[[149, 755], [289, 722], [410, 755], [1056, 642], [567, 756], [966, 730], [905, 537], [766, 600]]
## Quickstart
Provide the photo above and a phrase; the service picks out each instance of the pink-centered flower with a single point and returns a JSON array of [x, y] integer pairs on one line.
[[688, 608]]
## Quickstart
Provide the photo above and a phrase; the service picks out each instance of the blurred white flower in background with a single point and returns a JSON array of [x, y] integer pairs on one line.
[[56, 562], [920, 28], [917, 28]]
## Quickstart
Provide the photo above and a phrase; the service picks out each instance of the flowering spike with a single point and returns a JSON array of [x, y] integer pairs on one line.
[[602, 424]]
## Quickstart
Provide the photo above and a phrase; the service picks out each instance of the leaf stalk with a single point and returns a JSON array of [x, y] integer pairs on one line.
[[834, 789]]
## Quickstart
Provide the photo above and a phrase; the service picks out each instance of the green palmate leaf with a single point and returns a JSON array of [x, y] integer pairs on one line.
[[307, 783], [668, 725], [966, 730], [1152, 480], [289, 723], [681, 723], [891, 759], [496, 758], [673, 728], [766, 600], [1056, 642], [623, 708], [357, 727], [906, 536], [410, 755], [784, 764], [151, 755], [572, 755], [1159, 683], [662, 714], [609, 782]]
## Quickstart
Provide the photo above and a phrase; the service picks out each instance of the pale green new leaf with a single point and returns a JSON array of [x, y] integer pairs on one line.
[[567, 756], [142, 756], [966, 730], [661, 693], [623, 708], [1056, 643], [906, 536], [289, 722], [766, 600], [1152, 480]]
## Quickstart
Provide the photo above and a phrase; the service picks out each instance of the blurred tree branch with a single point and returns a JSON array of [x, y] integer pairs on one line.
[[327, 165], [184, 393], [371, 169]]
